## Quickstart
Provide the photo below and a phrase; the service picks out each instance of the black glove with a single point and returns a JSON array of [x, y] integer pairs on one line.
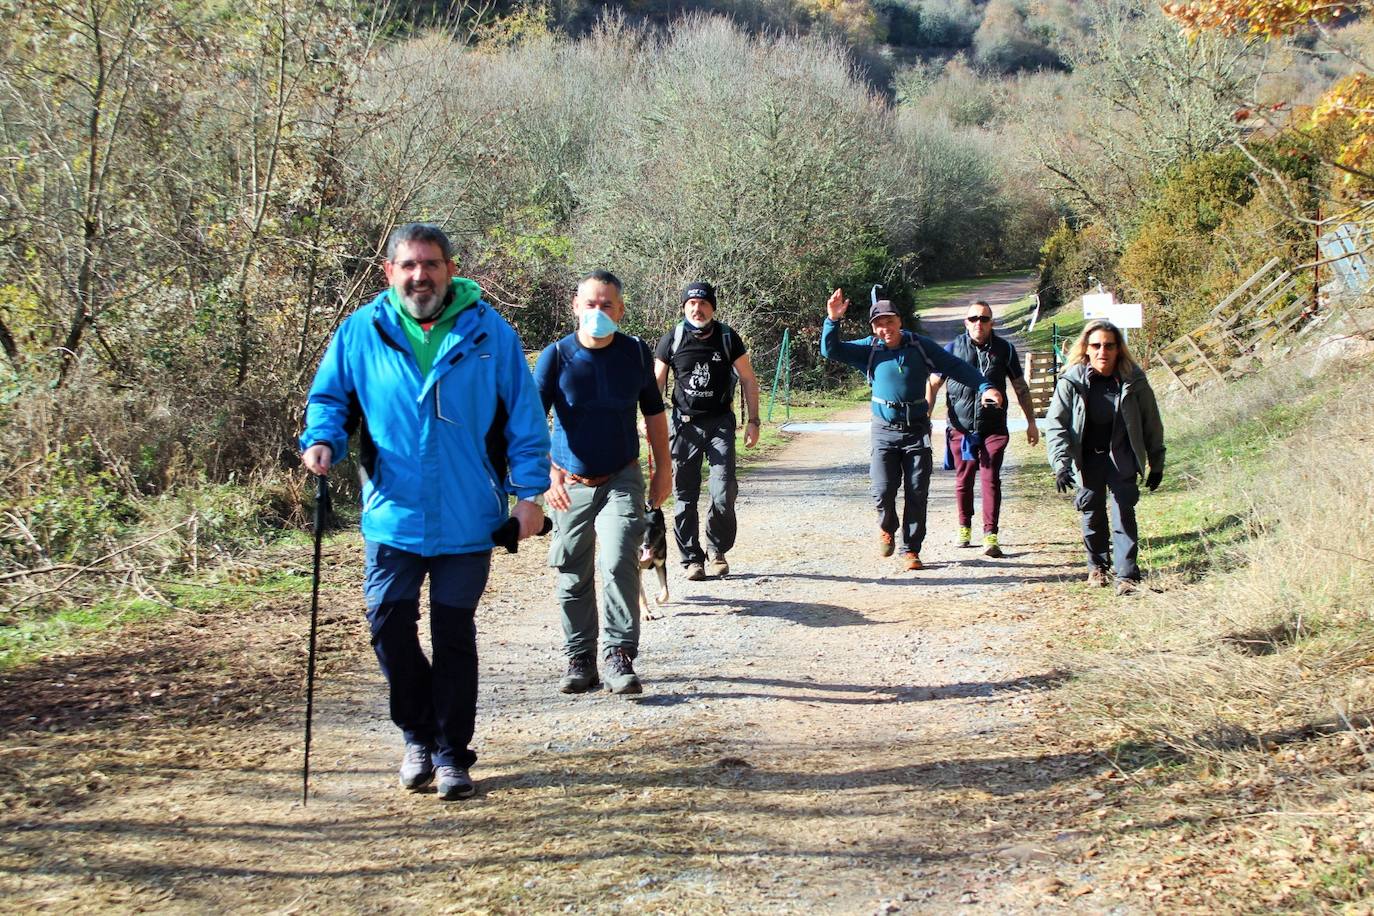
[[508, 535], [1152, 481], [1063, 481]]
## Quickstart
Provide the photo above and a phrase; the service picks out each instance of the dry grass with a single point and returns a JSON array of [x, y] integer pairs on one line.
[[1279, 645]]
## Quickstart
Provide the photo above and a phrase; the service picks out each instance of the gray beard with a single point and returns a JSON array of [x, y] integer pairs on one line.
[[422, 313]]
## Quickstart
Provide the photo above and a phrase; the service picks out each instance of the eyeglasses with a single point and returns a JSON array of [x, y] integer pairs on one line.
[[429, 264], [1109, 345], [981, 319]]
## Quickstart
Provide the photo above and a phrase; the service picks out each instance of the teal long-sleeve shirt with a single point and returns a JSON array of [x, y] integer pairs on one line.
[[899, 375]]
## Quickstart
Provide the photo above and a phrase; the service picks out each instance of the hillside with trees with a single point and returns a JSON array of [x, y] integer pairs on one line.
[[192, 197]]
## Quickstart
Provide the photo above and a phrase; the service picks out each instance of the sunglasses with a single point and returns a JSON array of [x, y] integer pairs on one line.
[[1109, 345], [981, 319]]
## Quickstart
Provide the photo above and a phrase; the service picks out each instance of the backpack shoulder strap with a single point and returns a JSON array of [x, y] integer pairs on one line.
[[910, 341], [913, 340]]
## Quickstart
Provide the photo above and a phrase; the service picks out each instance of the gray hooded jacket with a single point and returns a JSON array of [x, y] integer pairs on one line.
[[1136, 408]]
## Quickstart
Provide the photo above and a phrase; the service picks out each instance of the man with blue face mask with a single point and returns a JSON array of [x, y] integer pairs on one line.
[[595, 381]]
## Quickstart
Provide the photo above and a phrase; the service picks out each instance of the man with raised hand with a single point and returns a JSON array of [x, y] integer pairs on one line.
[[897, 364], [977, 431], [705, 357], [596, 381], [449, 425]]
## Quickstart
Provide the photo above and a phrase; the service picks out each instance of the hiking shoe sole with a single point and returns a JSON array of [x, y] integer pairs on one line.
[[628, 685], [568, 685], [455, 786], [418, 784]]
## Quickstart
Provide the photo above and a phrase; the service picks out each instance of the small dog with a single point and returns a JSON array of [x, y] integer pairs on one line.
[[653, 553]]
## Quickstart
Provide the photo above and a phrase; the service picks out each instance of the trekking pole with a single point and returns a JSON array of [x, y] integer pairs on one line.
[[321, 517]]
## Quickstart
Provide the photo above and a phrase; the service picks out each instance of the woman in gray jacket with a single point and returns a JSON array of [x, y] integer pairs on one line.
[[1103, 433]]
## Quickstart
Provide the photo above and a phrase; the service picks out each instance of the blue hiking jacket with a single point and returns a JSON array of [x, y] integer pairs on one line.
[[898, 375], [432, 448]]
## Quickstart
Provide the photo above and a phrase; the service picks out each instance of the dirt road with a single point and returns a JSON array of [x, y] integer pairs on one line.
[[819, 731]]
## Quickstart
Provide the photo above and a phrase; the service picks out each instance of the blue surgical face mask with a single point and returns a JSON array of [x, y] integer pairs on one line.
[[597, 323]]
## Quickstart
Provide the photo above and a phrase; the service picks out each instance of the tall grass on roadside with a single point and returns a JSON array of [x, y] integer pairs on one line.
[[1280, 645], [81, 524]]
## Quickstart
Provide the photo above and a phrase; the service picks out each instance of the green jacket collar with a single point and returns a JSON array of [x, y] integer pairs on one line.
[[463, 293]]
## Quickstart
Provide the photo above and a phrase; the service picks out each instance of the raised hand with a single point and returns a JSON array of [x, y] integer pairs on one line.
[[836, 305]]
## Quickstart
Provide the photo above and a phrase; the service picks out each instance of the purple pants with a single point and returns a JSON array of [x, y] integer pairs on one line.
[[988, 466]]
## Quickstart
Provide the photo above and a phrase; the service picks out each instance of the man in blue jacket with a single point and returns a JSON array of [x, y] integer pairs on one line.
[[597, 381], [897, 364], [449, 428]]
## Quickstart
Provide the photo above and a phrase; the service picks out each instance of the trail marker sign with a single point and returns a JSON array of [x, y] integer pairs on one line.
[[1104, 307]]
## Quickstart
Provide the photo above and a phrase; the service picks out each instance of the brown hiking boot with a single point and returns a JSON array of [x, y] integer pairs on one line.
[[886, 543], [718, 567], [1126, 587], [912, 562], [581, 675], [1099, 578]]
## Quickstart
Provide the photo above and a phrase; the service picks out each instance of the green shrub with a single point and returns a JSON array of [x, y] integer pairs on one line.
[[67, 509], [1204, 233], [1071, 262]]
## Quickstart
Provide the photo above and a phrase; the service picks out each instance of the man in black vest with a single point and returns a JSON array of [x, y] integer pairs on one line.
[[977, 431], [705, 357]]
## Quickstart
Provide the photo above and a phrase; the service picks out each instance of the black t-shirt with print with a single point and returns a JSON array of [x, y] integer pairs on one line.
[[701, 369]]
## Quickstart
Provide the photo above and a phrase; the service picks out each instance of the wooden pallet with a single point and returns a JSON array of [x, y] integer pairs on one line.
[[1040, 376], [1243, 329]]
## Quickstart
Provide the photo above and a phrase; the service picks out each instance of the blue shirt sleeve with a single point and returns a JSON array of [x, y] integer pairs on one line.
[[527, 432], [949, 348], [854, 353], [331, 395], [545, 377]]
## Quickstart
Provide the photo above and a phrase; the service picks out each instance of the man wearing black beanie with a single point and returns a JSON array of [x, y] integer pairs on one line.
[[705, 356]]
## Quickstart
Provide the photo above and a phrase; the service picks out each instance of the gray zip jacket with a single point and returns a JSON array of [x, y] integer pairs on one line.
[[1136, 408]]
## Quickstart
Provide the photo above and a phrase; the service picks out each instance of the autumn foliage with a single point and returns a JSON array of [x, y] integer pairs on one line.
[[1269, 18]]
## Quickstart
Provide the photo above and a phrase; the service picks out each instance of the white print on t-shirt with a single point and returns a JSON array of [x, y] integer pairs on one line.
[[699, 379]]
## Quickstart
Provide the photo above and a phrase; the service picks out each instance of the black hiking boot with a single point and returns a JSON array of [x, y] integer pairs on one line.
[[581, 675], [620, 673]]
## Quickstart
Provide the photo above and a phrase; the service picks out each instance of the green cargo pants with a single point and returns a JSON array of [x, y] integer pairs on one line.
[[602, 528]]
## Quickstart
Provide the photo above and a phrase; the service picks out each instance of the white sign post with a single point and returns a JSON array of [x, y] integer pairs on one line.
[[1104, 307]]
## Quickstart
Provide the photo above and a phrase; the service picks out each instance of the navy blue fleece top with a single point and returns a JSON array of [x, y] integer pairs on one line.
[[593, 395]]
